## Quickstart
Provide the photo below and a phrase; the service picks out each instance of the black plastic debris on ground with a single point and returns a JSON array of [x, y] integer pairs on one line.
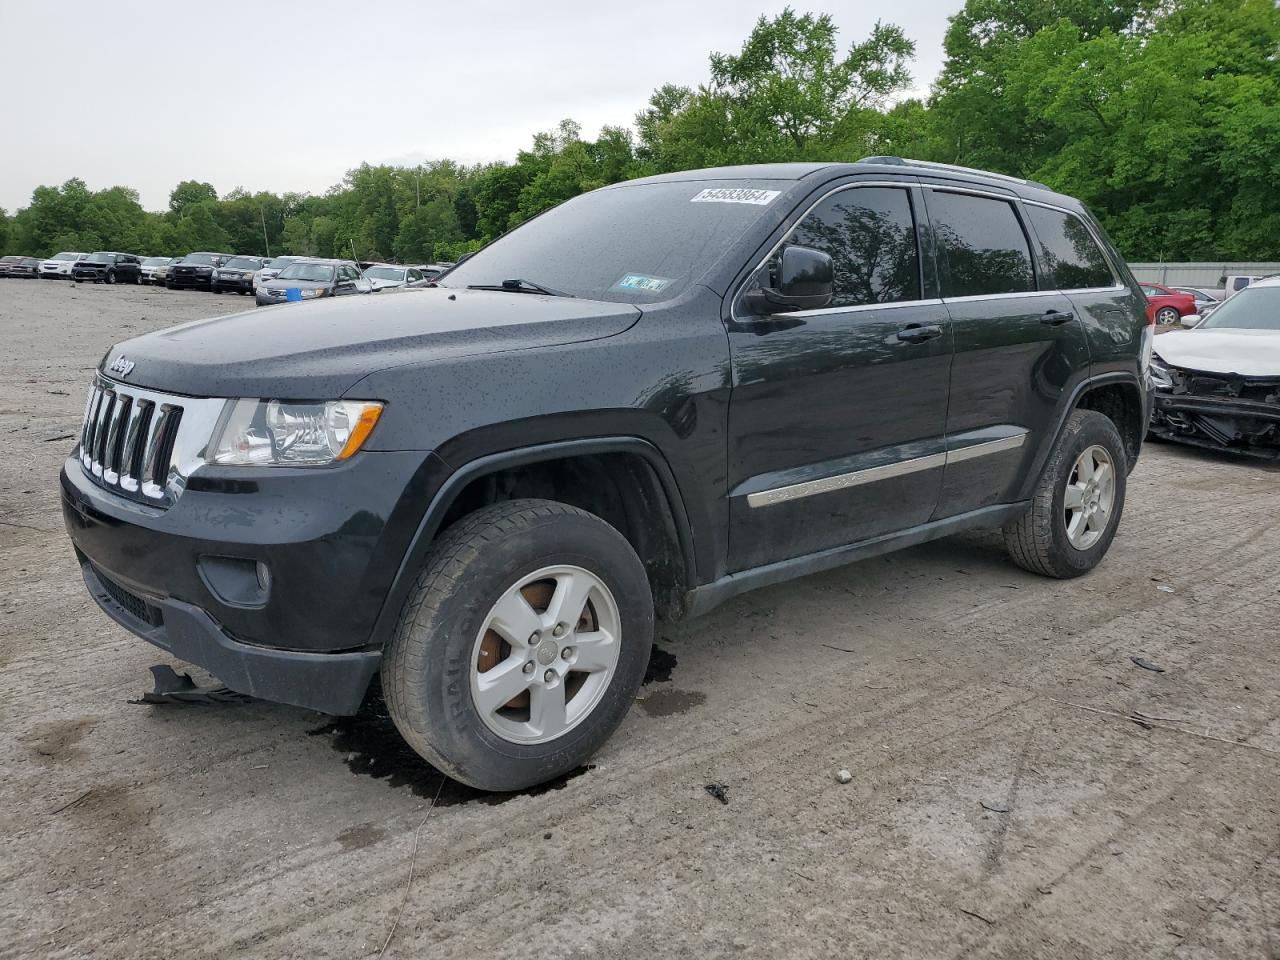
[[719, 791], [1147, 665], [994, 807], [172, 687]]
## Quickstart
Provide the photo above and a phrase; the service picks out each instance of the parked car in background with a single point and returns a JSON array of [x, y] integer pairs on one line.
[[58, 267], [1206, 300], [313, 278], [195, 270], [4, 263], [237, 274], [386, 275], [1233, 283], [150, 268], [107, 266], [23, 268], [1218, 384], [1166, 305], [272, 268]]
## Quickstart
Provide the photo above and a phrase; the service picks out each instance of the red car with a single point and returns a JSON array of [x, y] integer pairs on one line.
[[1165, 304]]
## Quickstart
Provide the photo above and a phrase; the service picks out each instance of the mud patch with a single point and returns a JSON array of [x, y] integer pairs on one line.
[[661, 663], [669, 703], [58, 741], [373, 747], [357, 838]]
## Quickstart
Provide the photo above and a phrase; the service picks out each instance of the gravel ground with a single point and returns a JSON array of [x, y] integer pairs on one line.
[[1001, 803]]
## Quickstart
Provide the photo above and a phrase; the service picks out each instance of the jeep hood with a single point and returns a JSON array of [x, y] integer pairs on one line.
[[1249, 353], [319, 349]]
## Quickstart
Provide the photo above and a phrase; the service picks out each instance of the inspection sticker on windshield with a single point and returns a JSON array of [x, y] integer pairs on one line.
[[736, 195], [642, 284]]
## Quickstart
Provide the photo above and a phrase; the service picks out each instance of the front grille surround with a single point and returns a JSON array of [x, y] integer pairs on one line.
[[143, 444]]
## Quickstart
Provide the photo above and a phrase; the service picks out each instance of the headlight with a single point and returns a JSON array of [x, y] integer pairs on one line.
[[313, 292], [278, 432], [1160, 374]]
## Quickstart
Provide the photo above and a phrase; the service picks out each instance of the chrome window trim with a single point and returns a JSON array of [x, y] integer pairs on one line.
[[975, 191], [856, 184], [888, 471], [864, 307], [969, 298]]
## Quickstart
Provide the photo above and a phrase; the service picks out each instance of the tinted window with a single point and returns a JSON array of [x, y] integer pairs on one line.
[[639, 242], [871, 237], [980, 244], [1072, 258]]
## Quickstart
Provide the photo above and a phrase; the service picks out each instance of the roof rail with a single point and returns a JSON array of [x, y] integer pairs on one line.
[[954, 168]]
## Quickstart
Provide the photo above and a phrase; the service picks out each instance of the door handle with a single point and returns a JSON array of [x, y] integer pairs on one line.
[[1056, 318], [919, 332]]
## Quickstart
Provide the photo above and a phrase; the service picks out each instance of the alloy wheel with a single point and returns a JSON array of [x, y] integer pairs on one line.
[[1090, 497], [545, 654]]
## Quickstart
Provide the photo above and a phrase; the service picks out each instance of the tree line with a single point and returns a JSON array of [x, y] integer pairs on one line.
[[1162, 115]]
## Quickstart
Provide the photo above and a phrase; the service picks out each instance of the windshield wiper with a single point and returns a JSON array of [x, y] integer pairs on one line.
[[520, 285]]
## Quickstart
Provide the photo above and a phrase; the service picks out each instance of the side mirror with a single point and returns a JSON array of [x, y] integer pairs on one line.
[[805, 281], [1191, 320]]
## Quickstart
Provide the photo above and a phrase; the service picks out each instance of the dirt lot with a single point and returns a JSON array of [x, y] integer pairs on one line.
[[1001, 805]]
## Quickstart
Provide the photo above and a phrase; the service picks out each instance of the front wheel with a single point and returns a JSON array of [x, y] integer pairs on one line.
[[111, 276], [521, 645], [1166, 316], [1077, 504]]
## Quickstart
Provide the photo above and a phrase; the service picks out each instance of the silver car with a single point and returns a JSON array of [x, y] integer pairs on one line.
[[311, 279], [153, 269]]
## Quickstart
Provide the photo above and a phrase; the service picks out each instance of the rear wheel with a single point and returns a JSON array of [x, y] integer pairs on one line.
[[522, 645], [1166, 315], [1077, 504]]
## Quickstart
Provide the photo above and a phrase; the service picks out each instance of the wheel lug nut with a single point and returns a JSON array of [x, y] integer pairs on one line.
[[528, 667], [559, 630], [534, 637], [566, 653], [549, 676]]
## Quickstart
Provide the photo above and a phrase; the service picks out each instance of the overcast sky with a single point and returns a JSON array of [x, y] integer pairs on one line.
[[289, 96]]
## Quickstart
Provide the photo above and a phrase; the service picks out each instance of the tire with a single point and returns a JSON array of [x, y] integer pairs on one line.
[[1041, 539], [168, 285], [1167, 315], [111, 276], [215, 289], [430, 670]]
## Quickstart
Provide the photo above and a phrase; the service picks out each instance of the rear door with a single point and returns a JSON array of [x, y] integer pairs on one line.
[[1018, 345], [837, 414]]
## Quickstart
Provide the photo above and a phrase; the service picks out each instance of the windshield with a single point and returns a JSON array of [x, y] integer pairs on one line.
[[637, 243], [385, 273], [98, 258], [319, 272], [154, 261], [1253, 308], [68, 256], [201, 259], [278, 263], [242, 263]]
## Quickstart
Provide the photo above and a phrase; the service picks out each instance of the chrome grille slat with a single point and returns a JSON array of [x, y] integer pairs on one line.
[[143, 444]]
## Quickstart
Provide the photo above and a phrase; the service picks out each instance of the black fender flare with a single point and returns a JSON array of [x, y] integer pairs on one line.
[[1084, 386], [447, 492]]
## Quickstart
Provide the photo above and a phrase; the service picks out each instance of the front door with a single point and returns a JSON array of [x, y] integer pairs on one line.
[[1018, 346], [837, 417]]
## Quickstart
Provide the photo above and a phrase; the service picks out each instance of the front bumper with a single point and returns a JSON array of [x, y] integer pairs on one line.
[[333, 683], [239, 284], [332, 540], [203, 280], [1250, 427]]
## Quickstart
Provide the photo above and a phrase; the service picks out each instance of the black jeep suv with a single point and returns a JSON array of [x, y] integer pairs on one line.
[[639, 404], [106, 266], [195, 270]]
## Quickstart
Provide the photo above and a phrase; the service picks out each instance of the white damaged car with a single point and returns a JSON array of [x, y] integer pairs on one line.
[[1217, 384]]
